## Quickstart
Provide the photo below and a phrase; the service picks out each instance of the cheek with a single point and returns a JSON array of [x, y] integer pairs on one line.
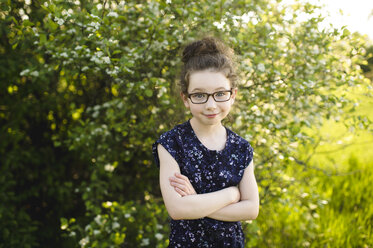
[[194, 108], [227, 106]]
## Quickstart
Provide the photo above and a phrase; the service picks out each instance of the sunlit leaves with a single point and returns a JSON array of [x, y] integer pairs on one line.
[[101, 79]]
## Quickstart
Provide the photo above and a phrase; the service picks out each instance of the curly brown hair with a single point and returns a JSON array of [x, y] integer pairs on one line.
[[207, 54]]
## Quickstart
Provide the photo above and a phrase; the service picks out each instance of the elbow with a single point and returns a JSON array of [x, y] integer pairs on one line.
[[178, 214], [252, 212], [184, 213], [251, 215], [175, 215], [255, 211]]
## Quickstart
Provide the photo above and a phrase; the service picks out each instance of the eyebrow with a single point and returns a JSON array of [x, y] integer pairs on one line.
[[204, 90]]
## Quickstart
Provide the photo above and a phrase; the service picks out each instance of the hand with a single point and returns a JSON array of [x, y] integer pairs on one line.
[[182, 185]]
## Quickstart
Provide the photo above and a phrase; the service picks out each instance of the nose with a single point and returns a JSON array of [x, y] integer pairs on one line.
[[210, 104]]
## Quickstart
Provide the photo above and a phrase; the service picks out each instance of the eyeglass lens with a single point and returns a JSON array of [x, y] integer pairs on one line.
[[220, 96]]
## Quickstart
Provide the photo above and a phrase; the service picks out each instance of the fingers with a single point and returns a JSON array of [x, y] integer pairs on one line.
[[179, 185], [178, 180], [182, 179], [182, 193], [182, 184], [181, 176]]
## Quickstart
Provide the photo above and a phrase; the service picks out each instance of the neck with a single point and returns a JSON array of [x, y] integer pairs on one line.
[[206, 130]]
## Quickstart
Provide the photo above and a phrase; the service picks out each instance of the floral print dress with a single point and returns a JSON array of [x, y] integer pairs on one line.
[[208, 171]]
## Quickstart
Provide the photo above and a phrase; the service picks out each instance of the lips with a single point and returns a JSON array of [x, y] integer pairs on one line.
[[211, 115]]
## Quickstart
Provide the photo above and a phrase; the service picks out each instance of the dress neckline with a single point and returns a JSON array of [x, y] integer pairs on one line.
[[203, 146]]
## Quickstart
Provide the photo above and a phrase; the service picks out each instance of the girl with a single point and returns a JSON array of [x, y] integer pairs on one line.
[[206, 170]]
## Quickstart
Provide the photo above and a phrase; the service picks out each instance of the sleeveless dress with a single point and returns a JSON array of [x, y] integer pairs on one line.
[[208, 171]]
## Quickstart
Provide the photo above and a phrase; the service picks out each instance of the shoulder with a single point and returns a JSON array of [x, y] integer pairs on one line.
[[171, 142], [241, 146], [173, 139], [238, 141], [175, 133]]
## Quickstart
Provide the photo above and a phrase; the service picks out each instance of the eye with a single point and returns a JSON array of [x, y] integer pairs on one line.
[[221, 93], [199, 95]]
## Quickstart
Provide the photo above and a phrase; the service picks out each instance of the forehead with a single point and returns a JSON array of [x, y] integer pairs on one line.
[[208, 81]]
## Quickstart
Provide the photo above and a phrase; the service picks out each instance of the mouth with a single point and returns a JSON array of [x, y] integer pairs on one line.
[[211, 116]]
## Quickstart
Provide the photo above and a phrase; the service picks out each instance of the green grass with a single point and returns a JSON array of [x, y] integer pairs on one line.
[[347, 219], [346, 183], [330, 201]]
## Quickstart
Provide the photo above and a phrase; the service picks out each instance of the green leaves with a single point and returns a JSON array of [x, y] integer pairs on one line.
[[87, 87], [148, 92]]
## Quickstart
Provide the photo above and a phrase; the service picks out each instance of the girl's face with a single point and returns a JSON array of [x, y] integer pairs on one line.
[[206, 81]]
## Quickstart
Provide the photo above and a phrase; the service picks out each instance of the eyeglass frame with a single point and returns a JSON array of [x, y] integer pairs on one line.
[[208, 96]]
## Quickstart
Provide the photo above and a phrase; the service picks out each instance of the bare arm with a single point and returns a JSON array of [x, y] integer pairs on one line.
[[191, 206], [246, 209], [248, 206]]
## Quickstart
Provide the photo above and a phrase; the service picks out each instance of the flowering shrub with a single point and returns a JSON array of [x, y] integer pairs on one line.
[[86, 87], [127, 225]]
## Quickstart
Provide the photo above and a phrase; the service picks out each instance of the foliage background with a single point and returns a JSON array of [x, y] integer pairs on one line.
[[87, 87]]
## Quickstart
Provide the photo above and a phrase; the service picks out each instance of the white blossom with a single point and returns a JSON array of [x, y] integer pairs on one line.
[[66, 13], [303, 195], [87, 227], [113, 14], [35, 30], [158, 236], [59, 21], [106, 59], [94, 16], [99, 53], [261, 67], [98, 219], [71, 31], [24, 72], [109, 168], [95, 25], [84, 241], [97, 57], [145, 242], [34, 74], [219, 25], [113, 72], [115, 225]]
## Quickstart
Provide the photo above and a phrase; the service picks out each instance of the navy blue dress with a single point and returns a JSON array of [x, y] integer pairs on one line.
[[208, 171]]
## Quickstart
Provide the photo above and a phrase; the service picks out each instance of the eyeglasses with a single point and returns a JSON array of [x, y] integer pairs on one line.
[[219, 96]]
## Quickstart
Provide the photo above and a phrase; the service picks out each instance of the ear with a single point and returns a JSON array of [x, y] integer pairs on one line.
[[185, 99], [234, 94]]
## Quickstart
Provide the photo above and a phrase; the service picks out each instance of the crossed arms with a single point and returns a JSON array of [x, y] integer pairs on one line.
[[229, 204]]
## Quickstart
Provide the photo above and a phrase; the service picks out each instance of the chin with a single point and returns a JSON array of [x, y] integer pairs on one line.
[[212, 121]]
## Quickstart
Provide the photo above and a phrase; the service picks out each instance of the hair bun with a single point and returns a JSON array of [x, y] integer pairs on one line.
[[206, 46], [208, 53]]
